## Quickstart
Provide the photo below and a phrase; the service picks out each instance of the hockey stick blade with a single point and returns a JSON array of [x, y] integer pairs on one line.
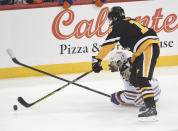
[[23, 102], [10, 53]]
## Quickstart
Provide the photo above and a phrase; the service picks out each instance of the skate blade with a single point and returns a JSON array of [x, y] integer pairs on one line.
[[148, 119]]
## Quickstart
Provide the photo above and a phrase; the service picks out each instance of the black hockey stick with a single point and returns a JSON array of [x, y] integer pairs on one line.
[[24, 103], [9, 51]]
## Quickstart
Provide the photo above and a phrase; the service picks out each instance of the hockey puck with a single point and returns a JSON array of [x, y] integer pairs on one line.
[[15, 107]]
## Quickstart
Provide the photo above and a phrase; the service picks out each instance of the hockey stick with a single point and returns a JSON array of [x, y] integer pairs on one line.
[[24, 103], [11, 54]]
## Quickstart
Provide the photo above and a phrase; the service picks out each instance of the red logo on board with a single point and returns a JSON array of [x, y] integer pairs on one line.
[[168, 24]]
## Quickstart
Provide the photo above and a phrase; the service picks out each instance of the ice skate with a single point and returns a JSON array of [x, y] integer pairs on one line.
[[142, 109], [150, 114]]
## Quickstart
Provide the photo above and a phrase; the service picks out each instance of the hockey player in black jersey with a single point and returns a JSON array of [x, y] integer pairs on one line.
[[143, 42]]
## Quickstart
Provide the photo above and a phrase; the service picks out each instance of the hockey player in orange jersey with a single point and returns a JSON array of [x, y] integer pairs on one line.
[[129, 96]]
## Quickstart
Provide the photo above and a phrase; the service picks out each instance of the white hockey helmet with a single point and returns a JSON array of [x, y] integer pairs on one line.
[[118, 56]]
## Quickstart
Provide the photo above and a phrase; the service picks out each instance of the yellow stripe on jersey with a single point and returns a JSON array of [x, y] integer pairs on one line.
[[146, 88], [140, 93], [147, 96], [143, 47], [147, 60], [105, 50]]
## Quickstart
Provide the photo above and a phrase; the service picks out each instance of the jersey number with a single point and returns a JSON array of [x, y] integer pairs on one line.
[[142, 28]]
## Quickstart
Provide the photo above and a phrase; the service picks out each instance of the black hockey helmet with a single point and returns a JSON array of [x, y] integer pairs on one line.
[[116, 13]]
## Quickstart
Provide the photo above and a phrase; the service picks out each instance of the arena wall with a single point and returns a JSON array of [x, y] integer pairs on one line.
[[62, 41]]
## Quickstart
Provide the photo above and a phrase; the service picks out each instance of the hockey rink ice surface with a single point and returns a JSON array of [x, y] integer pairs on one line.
[[76, 109]]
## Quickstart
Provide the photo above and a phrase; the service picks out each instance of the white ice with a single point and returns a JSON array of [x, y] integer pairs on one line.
[[77, 109]]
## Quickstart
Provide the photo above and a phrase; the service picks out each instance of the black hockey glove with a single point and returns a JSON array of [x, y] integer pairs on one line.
[[96, 65]]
